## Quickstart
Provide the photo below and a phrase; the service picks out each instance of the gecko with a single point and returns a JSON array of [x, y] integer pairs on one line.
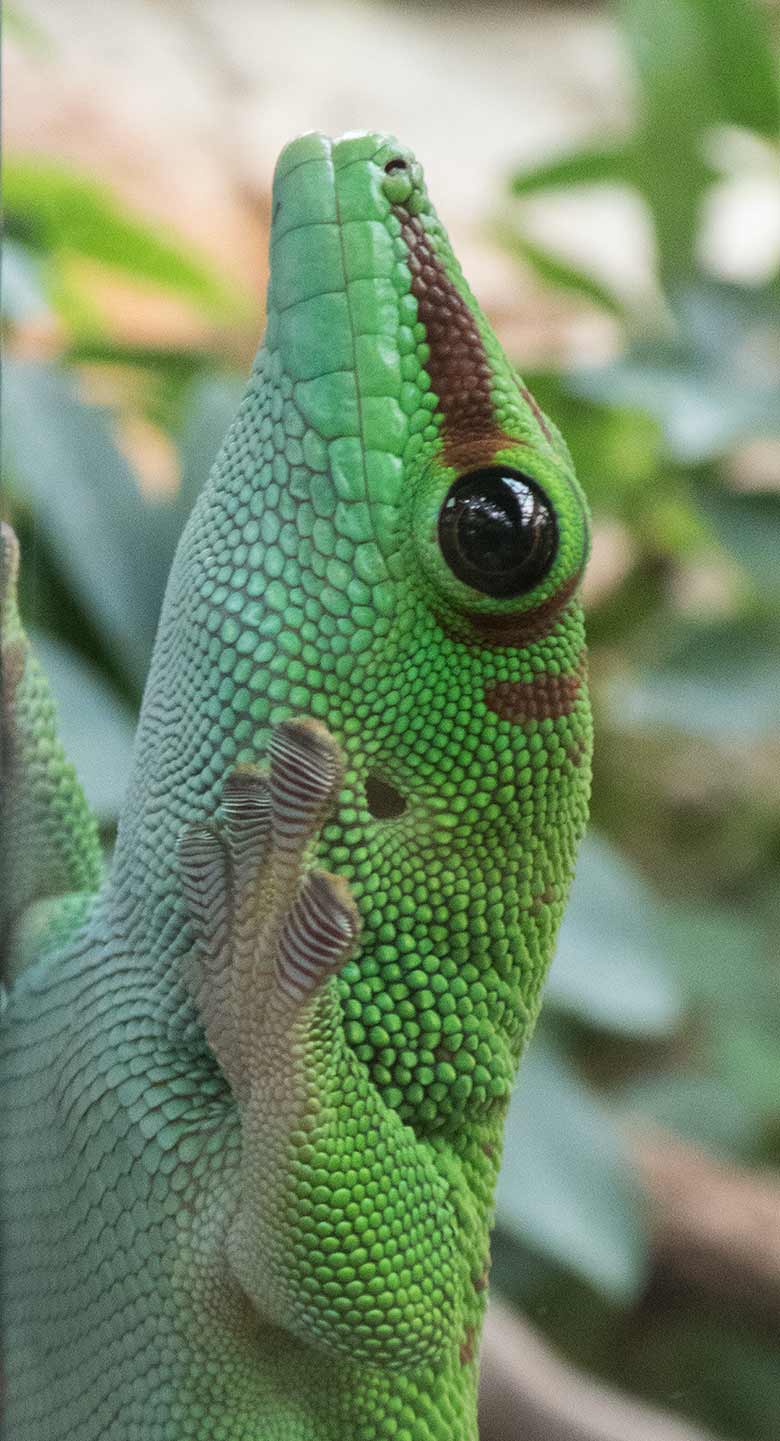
[[254, 1081]]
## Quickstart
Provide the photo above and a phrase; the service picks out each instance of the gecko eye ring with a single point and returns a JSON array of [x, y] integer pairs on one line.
[[497, 531]]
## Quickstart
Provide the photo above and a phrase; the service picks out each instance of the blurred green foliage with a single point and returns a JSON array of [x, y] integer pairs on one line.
[[685, 658], [665, 1009], [56, 217]]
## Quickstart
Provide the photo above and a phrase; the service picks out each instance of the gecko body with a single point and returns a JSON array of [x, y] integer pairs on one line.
[[254, 1086]]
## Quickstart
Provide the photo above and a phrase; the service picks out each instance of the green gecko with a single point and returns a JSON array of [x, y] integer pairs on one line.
[[254, 1086]]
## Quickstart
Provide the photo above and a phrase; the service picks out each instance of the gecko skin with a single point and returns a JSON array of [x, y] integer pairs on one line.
[[254, 1087]]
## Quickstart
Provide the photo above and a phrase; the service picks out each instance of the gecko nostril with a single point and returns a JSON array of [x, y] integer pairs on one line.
[[396, 164], [382, 798]]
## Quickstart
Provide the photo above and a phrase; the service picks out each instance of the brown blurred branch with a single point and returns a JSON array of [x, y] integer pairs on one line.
[[529, 1393], [716, 1226]]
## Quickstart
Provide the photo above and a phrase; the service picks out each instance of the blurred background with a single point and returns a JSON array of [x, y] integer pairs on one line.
[[609, 174]]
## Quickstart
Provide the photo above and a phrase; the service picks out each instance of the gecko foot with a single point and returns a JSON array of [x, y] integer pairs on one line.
[[268, 929]]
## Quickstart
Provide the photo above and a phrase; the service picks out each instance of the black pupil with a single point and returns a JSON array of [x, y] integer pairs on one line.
[[497, 531]]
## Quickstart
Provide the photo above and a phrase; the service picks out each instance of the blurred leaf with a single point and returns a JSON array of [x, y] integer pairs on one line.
[[744, 67], [211, 405], [60, 213], [114, 547], [748, 528], [699, 64], [748, 1057], [104, 350], [161, 379], [666, 41], [729, 963], [719, 680], [616, 452], [698, 1108], [704, 61], [61, 459], [95, 727], [23, 296], [580, 167], [611, 966], [48, 601], [717, 381], [557, 272], [566, 1185], [722, 959], [24, 30]]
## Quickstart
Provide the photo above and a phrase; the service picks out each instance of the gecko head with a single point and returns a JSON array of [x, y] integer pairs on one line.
[[444, 535], [391, 541]]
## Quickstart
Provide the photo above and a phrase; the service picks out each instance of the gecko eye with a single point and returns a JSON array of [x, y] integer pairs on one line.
[[395, 164], [497, 531]]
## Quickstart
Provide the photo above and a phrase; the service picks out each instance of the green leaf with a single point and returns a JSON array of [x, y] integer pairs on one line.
[[699, 64], [96, 728], [734, 58], [719, 680], [729, 965], [23, 297], [612, 963], [104, 350], [210, 408], [668, 41], [748, 528], [557, 272], [723, 1090], [595, 166], [62, 461], [697, 1107], [25, 31], [60, 213], [566, 1186], [714, 383], [724, 959]]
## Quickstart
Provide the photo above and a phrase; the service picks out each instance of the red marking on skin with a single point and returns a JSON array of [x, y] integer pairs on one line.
[[488, 1149], [480, 1281], [545, 898], [545, 697], [467, 1347], [576, 753]]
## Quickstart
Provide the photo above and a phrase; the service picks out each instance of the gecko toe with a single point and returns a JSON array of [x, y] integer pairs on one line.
[[246, 816], [305, 775], [317, 934]]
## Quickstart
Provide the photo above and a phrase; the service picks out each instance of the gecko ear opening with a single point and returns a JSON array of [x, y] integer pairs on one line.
[[383, 800]]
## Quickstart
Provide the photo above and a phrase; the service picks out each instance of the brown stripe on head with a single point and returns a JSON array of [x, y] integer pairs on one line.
[[540, 419], [458, 365]]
